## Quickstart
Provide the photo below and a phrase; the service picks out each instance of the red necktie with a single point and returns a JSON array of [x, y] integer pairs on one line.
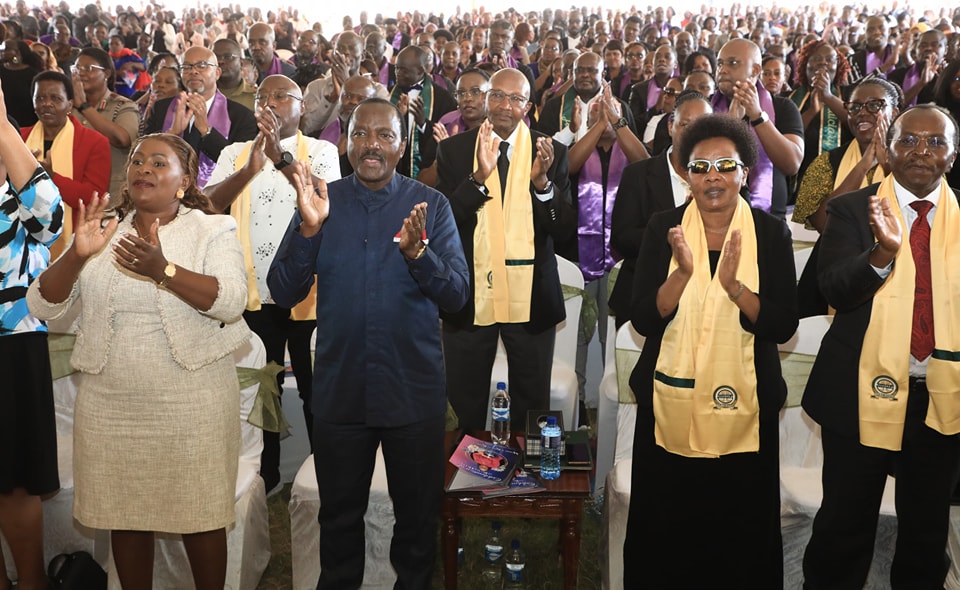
[[921, 338]]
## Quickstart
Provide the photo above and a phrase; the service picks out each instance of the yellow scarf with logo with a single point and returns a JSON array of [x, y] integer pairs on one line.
[[852, 157], [240, 210], [884, 380], [503, 247], [705, 384], [61, 156]]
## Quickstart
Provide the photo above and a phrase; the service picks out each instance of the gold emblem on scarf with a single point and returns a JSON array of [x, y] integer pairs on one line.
[[885, 387], [725, 398]]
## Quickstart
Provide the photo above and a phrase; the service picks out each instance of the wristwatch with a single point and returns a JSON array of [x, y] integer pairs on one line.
[[546, 189], [621, 123], [286, 158], [169, 272], [763, 118], [476, 182]]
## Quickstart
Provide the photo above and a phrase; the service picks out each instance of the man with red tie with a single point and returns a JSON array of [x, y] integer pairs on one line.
[[885, 387]]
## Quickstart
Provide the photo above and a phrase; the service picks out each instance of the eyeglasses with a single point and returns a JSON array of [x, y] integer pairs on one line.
[[498, 96], [730, 63], [89, 68], [200, 66], [633, 55], [721, 164], [873, 106], [348, 97], [474, 92], [277, 95], [670, 91], [933, 143], [225, 58]]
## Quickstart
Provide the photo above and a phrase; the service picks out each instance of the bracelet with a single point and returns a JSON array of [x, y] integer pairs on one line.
[[423, 248], [739, 292]]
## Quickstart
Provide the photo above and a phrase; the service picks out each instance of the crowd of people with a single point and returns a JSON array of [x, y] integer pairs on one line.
[[206, 175]]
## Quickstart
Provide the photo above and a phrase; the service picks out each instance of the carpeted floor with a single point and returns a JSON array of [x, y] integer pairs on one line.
[[538, 538]]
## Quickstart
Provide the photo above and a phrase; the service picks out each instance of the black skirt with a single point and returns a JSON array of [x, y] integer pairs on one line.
[[28, 428], [704, 523]]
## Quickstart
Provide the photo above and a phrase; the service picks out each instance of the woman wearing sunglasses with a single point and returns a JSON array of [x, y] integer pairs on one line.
[[714, 292], [856, 164]]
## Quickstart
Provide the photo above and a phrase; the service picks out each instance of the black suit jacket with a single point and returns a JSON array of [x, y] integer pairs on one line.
[[645, 189], [553, 221], [638, 99], [549, 121], [775, 324], [243, 127], [443, 103], [848, 282]]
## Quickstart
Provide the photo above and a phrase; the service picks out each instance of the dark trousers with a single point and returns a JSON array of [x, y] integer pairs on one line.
[[274, 326], [344, 461], [926, 468], [469, 354]]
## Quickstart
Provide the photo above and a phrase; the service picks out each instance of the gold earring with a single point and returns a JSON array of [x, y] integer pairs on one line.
[[180, 194]]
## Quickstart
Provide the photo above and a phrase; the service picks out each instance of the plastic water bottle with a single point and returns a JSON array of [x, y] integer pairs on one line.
[[492, 572], [513, 567], [500, 415], [550, 449]]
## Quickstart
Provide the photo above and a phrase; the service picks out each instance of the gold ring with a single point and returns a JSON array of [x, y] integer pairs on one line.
[[134, 261]]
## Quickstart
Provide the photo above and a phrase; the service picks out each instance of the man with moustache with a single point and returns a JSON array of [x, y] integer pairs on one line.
[[263, 51], [501, 41], [424, 102], [643, 192], [307, 60], [644, 96], [321, 96], [574, 28], [884, 384], [246, 172], [395, 37], [355, 90], [202, 115], [775, 120], [563, 115], [877, 55], [509, 188], [387, 260], [919, 80], [230, 83]]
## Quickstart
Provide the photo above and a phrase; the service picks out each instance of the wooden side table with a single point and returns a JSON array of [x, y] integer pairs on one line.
[[562, 500]]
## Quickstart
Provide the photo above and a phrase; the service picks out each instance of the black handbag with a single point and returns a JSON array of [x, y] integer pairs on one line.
[[76, 571]]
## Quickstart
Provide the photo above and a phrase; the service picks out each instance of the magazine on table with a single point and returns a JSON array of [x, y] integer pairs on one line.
[[486, 463]]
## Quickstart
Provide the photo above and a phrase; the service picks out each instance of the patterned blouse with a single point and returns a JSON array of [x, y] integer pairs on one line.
[[30, 220]]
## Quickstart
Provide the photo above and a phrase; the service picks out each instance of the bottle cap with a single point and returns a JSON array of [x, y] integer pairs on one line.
[[515, 544], [501, 385], [551, 420]]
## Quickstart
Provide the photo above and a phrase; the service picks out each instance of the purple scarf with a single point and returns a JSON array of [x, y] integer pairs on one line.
[[384, 74], [331, 132], [875, 60], [451, 120], [274, 68], [625, 82], [596, 211], [760, 179], [397, 41], [911, 79], [218, 118], [653, 92]]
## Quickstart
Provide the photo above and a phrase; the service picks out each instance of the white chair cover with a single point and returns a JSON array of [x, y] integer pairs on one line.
[[564, 388], [304, 508]]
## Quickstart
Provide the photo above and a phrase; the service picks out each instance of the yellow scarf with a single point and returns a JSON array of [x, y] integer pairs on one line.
[[61, 155], [503, 248], [852, 157], [240, 210], [705, 385], [884, 382]]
